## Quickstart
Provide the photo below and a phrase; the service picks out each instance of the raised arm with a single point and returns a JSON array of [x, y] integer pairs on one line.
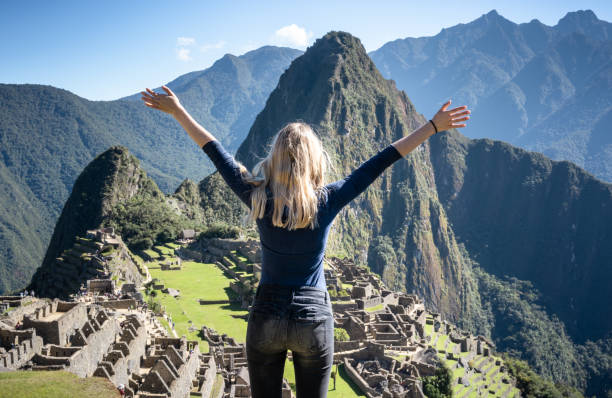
[[347, 189], [229, 170], [223, 161], [343, 191], [169, 103]]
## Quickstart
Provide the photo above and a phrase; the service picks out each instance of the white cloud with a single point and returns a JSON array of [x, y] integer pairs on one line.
[[212, 46], [292, 35], [185, 41], [183, 54]]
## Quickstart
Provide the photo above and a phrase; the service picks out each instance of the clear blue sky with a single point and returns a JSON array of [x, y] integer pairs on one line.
[[104, 50]]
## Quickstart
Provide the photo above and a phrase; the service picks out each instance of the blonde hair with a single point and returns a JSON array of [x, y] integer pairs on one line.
[[295, 170]]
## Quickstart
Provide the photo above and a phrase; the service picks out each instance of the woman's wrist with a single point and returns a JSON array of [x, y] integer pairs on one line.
[[434, 126], [178, 110]]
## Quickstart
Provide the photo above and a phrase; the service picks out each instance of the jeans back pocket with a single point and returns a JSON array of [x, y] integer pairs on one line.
[[316, 335], [262, 331]]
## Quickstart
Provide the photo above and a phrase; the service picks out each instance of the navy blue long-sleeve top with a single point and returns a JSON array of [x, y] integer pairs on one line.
[[295, 257]]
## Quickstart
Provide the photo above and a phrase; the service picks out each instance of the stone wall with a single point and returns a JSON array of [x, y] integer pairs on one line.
[[55, 323], [20, 346], [100, 286], [173, 369], [358, 380], [29, 307], [89, 344], [123, 358], [206, 374], [118, 304], [369, 302]]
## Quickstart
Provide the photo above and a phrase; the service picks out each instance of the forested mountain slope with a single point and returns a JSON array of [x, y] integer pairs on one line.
[[48, 135]]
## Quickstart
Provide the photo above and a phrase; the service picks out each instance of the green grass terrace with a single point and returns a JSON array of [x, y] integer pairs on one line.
[[54, 384]]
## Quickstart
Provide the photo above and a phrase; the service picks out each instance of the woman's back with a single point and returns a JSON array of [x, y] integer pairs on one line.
[[295, 257]]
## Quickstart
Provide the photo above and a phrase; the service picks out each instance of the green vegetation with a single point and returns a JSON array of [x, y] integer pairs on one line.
[[145, 220], [151, 253], [165, 250], [220, 230], [341, 335], [377, 307], [533, 385], [438, 385], [523, 329], [54, 384]]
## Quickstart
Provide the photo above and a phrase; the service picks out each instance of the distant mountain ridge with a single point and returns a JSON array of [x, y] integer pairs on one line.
[[47, 136], [544, 88]]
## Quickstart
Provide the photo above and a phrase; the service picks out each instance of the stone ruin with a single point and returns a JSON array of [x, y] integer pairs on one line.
[[17, 347], [387, 352], [102, 331], [100, 255], [171, 366], [88, 339]]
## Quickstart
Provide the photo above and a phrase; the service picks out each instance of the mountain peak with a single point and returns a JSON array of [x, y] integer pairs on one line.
[[336, 43], [113, 176], [585, 21], [324, 87], [583, 16], [489, 17]]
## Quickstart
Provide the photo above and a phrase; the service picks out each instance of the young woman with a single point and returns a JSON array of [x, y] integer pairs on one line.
[[293, 207]]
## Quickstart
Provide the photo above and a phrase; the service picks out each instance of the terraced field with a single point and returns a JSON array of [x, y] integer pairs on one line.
[[485, 374], [199, 281]]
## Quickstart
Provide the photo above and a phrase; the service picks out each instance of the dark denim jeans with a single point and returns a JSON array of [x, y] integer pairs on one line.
[[296, 318]]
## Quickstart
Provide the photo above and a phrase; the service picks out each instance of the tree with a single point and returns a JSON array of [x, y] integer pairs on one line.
[[340, 335]]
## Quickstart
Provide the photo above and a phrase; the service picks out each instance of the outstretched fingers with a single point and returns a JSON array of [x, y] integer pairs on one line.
[[466, 112], [149, 99], [459, 108]]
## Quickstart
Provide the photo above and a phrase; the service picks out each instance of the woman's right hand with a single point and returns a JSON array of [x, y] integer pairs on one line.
[[445, 120], [168, 103]]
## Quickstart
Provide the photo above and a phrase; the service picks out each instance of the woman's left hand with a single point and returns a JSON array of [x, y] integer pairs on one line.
[[446, 119], [168, 103]]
